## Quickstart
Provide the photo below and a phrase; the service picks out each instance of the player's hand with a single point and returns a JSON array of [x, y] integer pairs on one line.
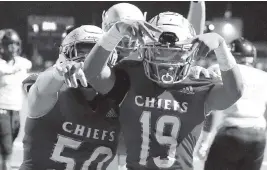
[[215, 71], [207, 42], [202, 151], [197, 71], [204, 43], [112, 59], [137, 29], [70, 72]]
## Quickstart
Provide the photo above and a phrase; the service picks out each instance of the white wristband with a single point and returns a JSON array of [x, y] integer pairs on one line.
[[110, 39], [224, 57]]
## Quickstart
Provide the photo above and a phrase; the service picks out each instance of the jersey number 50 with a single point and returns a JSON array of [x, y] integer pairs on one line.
[[63, 142], [170, 141]]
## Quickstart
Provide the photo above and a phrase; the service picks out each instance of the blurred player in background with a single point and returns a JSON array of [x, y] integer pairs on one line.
[[13, 70], [240, 130], [69, 125]]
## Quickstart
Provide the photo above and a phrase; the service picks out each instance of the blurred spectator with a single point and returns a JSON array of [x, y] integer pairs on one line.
[[13, 70]]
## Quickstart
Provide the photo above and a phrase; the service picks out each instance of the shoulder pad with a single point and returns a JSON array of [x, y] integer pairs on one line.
[[29, 81]]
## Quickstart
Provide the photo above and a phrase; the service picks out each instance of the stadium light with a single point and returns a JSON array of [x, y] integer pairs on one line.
[[211, 27], [228, 29], [35, 28], [49, 26]]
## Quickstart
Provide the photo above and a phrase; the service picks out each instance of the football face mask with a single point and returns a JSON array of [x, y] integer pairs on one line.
[[79, 42], [126, 46], [78, 51], [165, 62]]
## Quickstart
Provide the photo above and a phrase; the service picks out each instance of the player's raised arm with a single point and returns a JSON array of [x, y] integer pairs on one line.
[[197, 16], [226, 94], [98, 74], [43, 94], [96, 70]]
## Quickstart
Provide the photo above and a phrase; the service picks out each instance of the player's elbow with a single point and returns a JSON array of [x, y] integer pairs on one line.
[[233, 83], [32, 95], [239, 91], [235, 92], [238, 86], [104, 82]]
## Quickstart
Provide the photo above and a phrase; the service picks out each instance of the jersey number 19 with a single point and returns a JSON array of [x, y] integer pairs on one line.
[[170, 141]]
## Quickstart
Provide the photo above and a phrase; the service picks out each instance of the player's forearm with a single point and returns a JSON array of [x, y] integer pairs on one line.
[[43, 94], [97, 60], [231, 76], [48, 82], [206, 138], [197, 16], [208, 128]]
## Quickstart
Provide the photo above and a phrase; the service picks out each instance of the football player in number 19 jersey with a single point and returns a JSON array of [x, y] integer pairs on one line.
[[163, 109], [69, 126]]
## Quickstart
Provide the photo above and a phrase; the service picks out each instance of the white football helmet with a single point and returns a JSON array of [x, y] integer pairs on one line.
[[118, 12], [79, 42], [164, 61]]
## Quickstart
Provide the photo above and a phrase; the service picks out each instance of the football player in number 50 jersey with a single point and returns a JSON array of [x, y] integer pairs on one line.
[[69, 126]]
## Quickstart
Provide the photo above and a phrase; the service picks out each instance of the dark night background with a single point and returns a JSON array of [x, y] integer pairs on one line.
[[14, 14]]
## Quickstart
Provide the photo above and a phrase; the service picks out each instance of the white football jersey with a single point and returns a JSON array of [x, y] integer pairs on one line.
[[254, 99], [249, 110], [11, 92]]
